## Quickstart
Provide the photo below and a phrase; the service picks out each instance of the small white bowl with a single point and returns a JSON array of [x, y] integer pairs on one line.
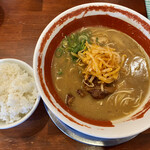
[[130, 20], [28, 68]]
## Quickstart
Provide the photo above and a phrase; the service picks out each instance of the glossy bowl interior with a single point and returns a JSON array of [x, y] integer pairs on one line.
[[105, 14], [4, 125]]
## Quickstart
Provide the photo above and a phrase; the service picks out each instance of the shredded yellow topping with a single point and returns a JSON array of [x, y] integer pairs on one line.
[[101, 62]]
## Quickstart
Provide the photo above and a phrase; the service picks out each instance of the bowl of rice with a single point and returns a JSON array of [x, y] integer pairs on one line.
[[18, 94]]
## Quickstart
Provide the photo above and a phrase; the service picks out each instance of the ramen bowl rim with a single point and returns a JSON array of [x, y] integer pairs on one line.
[[55, 110]]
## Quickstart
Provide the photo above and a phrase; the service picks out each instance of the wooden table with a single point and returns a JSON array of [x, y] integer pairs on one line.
[[21, 23]]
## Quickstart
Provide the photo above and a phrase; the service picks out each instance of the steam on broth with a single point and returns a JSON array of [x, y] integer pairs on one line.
[[100, 73]]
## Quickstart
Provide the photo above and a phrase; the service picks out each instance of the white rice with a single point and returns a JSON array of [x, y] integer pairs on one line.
[[17, 92]]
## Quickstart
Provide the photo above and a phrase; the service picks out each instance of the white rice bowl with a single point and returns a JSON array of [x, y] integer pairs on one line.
[[18, 94]]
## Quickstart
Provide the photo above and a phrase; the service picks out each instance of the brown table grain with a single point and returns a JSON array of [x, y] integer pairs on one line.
[[21, 23]]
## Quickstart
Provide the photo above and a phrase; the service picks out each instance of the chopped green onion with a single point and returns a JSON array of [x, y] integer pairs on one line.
[[83, 38], [60, 72], [58, 52], [96, 39], [74, 43], [64, 43]]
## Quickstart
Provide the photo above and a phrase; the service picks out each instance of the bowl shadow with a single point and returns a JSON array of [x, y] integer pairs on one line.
[[31, 126]]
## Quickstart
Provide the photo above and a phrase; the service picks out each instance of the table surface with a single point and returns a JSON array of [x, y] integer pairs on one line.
[[21, 23]]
